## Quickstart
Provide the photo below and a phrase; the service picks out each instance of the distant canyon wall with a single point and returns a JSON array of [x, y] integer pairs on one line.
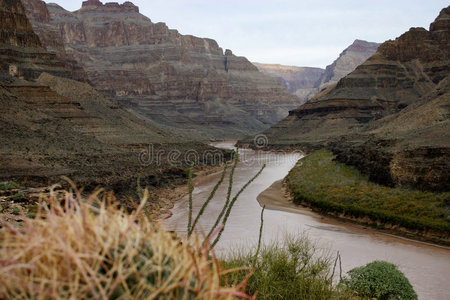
[[305, 82], [353, 56], [300, 81]]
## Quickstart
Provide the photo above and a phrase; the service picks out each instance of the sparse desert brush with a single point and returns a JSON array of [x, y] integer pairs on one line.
[[78, 248]]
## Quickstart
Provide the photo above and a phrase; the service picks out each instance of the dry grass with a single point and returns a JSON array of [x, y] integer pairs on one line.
[[78, 248]]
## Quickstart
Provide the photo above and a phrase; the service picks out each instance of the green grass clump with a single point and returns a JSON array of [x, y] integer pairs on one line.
[[17, 197], [338, 189], [380, 280], [16, 211], [10, 186], [293, 268]]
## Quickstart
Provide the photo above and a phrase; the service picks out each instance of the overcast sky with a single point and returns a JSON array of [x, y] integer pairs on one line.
[[291, 32]]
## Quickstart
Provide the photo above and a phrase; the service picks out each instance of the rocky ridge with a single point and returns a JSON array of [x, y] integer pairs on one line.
[[348, 60], [180, 81], [389, 117]]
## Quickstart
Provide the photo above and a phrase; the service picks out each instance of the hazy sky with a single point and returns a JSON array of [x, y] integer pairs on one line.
[[291, 32]]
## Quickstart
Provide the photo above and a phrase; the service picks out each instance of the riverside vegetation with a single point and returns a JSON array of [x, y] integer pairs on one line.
[[89, 247], [341, 190]]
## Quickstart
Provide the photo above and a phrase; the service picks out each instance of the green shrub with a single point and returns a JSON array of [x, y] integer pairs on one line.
[[10, 186], [380, 280], [32, 211], [17, 197], [291, 269]]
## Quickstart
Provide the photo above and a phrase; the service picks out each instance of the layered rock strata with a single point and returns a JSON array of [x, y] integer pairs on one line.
[[53, 126], [21, 52], [178, 80]]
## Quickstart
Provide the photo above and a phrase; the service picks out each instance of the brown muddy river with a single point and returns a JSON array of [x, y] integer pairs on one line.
[[427, 267]]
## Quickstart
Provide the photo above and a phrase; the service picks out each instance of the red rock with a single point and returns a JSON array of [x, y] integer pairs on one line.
[[128, 6]]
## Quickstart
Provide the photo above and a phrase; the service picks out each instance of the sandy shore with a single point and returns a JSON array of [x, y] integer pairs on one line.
[[276, 197]]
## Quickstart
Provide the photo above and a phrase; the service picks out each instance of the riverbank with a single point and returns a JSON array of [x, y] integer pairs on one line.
[[164, 199], [336, 190], [17, 201], [278, 198]]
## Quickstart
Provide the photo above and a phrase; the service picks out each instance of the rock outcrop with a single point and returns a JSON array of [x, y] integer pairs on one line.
[[50, 37], [15, 29], [300, 81], [180, 81], [389, 117], [348, 60], [21, 52]]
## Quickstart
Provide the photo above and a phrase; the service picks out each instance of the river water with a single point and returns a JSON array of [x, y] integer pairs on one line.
[[427, 267]]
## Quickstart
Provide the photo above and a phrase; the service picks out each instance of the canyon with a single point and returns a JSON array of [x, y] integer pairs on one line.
[[106, 97], [185, 84], [354, 55], [305, 82], [53, 124], [389, 117]]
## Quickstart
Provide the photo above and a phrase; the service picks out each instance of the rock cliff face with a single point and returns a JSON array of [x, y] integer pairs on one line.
[[15, 29], [389, 117], [179, 81], [21, 52], [52, 126], [300, 81], [348, 60], [50, 37]]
